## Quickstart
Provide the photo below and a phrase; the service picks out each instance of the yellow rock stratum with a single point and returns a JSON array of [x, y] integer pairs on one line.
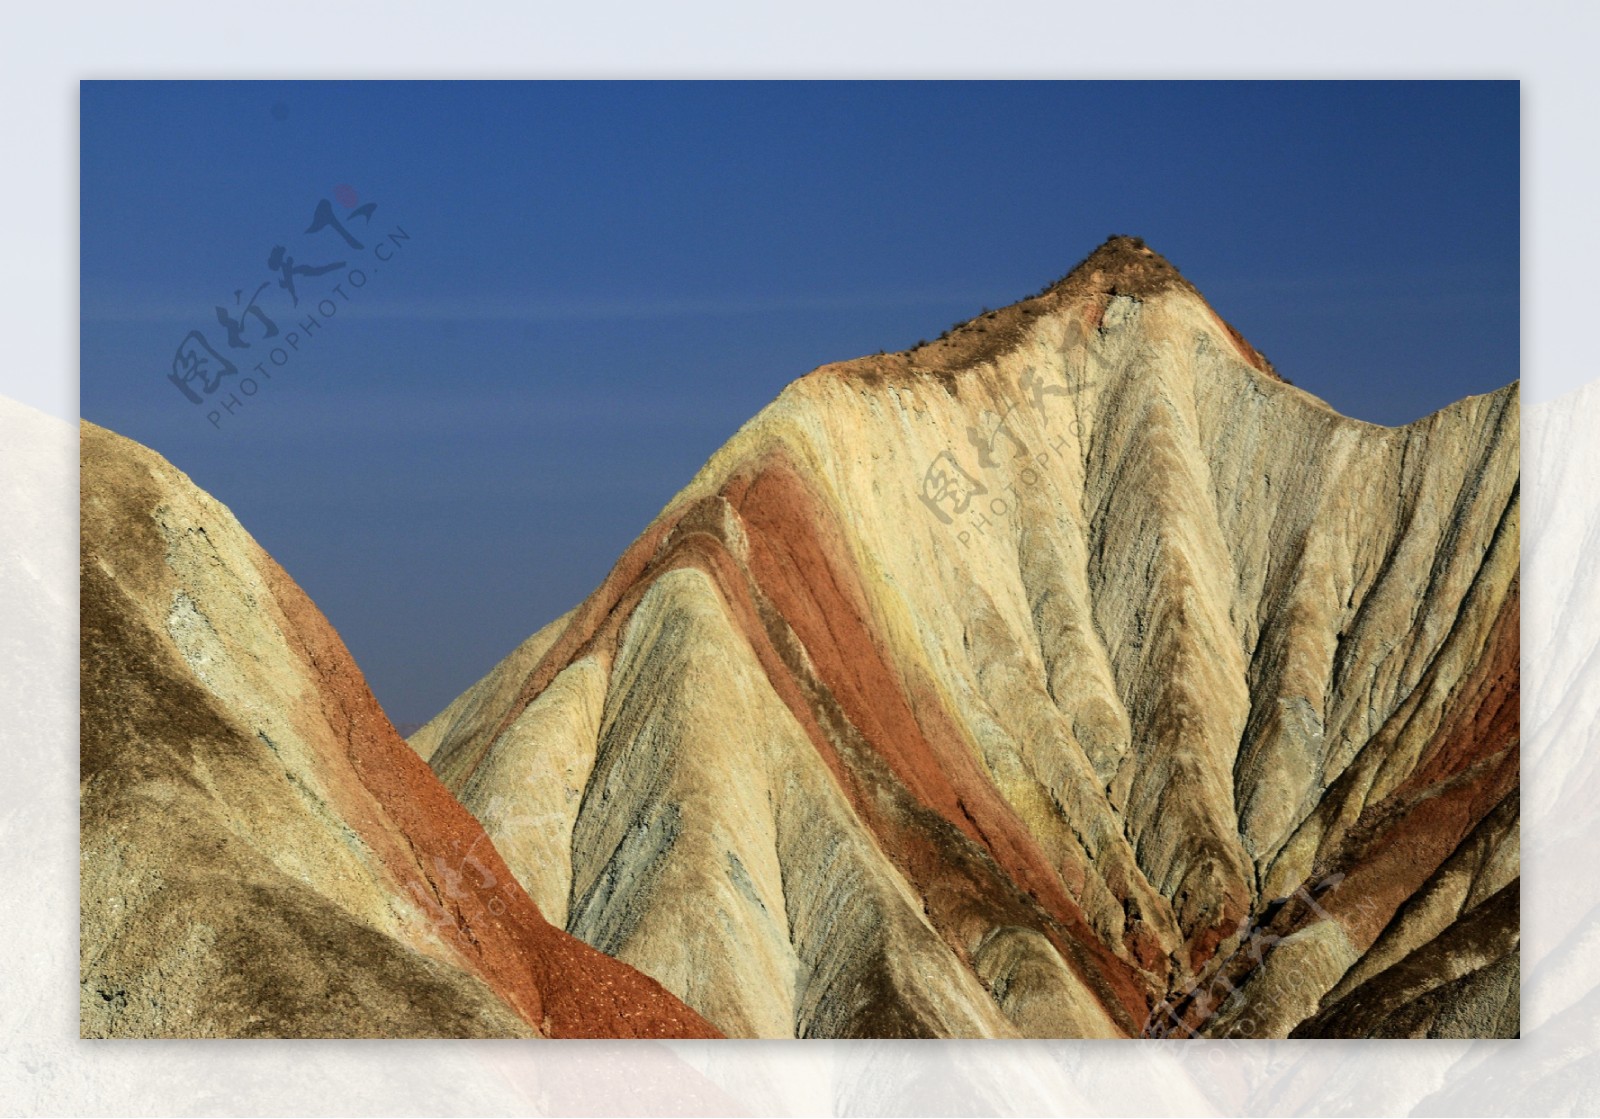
[[261, 854], [1071, 676]]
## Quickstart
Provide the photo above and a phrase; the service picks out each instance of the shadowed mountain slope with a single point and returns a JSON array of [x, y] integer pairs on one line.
[[1072, 675], [262, 855]]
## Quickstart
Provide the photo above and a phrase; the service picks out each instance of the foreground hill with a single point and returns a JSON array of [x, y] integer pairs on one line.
[[1073, 675], [262, 855]]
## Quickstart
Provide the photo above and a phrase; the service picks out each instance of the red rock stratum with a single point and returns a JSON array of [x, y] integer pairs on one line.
[[262, 855], [1071, 676]]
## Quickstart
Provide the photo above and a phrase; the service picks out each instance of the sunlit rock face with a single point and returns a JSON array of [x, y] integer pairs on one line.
[[1071, 676], [262, 854]]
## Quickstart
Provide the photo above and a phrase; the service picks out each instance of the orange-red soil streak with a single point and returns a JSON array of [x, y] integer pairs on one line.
[[1469, 766], [796, 561], [441, 858], [965, 891]]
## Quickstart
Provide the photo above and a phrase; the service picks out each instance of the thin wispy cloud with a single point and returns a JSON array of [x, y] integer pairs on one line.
[[534, 308]]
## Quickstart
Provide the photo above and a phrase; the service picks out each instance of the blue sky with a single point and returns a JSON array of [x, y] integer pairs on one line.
[[573, 293]]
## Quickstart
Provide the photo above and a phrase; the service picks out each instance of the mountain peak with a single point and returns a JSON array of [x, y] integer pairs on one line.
[[1122, 266], [1036, 695], [1099, 689]]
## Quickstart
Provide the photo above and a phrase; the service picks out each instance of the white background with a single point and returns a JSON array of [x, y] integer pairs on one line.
[[46, 49]]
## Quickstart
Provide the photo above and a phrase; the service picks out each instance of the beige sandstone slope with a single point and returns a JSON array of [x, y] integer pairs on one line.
[[261, 854], [1073, 675]]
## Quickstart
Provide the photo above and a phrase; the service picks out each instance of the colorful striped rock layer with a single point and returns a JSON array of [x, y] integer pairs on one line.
[[1071, 676]]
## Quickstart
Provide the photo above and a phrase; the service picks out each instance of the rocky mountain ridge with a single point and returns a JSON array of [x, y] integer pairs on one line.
[[261, 854], [1072, 675]]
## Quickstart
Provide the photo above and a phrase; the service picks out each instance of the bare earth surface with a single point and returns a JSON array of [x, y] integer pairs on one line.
[[1071, 676], [262, 855]]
